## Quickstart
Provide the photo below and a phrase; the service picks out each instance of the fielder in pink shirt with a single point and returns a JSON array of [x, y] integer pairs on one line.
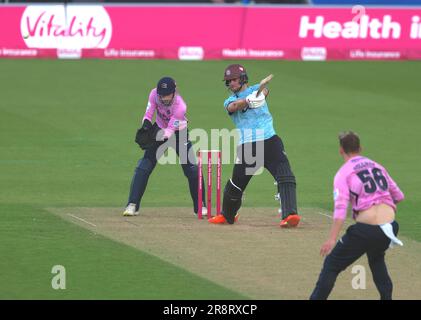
[[170, 110], [170, 115], [373, 195]]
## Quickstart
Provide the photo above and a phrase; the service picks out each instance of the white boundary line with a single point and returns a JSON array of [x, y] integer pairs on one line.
[[83, 220]]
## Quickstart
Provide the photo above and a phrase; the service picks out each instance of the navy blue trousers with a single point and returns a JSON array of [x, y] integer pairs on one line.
[[146, 165], [359, 239]]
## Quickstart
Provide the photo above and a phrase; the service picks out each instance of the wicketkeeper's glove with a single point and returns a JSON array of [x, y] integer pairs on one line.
[[146, 135], [146, 124], [255, 102]]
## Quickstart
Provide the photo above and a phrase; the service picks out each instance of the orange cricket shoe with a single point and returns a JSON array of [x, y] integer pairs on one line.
[[220, 219], [291, 221]]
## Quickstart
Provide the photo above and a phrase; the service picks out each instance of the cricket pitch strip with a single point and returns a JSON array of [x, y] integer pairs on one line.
[[255, 256]]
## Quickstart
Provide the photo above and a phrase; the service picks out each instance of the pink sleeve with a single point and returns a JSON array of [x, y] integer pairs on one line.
[[340, 196], [150, 108], [395, 192], [177, 122]]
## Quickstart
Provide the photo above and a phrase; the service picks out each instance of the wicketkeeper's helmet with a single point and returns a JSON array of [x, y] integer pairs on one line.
[[166, 86]]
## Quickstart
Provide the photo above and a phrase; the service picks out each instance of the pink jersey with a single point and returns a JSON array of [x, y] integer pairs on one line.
[[364, 183], [170, 118]]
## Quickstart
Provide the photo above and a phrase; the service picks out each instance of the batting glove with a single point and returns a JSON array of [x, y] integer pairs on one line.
[[255, 102]]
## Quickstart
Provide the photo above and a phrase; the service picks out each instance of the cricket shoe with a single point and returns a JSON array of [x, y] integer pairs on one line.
[[130, 210], [204, 212], [290, 222], [220, 219]]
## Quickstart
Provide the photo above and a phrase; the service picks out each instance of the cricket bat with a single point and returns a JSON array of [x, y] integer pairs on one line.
[[263, 84]]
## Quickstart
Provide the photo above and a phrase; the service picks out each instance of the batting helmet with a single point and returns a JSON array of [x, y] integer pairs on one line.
[[234, 71]]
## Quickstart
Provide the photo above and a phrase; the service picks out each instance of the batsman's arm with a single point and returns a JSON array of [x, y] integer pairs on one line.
[[265, 92], [241, 104], [237, 105]]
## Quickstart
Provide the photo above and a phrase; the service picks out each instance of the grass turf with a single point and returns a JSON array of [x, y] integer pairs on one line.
[[33, 241]]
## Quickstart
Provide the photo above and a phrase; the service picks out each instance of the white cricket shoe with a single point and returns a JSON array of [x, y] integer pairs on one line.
[[204, 212], [131, 210]]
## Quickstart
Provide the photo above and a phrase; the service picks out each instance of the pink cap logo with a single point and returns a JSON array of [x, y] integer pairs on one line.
[[57, 26]]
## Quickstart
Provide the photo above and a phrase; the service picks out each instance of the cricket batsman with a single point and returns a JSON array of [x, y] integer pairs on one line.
[[250, 113]]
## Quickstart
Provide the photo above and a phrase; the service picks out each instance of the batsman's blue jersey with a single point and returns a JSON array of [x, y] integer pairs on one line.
[[253, 124]]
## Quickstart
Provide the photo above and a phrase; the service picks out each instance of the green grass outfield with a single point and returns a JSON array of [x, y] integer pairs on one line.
[[66, 140]]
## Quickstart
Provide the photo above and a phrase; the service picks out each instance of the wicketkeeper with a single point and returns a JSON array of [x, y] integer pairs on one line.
[[171, 123], [251, 115]]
